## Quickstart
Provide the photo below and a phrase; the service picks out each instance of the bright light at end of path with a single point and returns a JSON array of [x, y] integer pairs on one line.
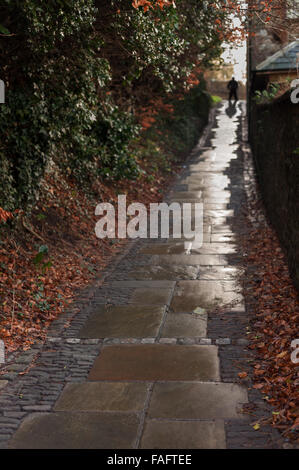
[[236, 56]]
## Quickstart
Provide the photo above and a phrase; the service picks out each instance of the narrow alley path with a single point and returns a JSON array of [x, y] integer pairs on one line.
[[147, 361]]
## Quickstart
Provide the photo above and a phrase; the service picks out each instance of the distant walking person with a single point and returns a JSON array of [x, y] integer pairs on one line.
[[233, 86]]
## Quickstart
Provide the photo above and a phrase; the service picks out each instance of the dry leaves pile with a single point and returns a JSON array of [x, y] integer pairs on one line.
[[275, 304], [35, 288]]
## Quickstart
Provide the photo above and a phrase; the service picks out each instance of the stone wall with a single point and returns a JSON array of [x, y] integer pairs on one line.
[[274, 137]]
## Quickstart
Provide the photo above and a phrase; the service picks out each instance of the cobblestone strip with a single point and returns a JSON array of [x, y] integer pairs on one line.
[[57, 363]]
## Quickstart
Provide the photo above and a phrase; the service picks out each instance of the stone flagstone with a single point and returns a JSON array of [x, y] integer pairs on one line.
[[103, 396], [76, 431], [197, 400], [190, 260], [206, 294], [164, 284], [124, 321], [156, 362], [187, 325], [213, 248], [153, 296], [227, 273], [174, 272], [223, 237], [183, 435], [181, 247]]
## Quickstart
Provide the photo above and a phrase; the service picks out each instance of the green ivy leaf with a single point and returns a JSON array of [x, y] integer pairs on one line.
[[3, 30]]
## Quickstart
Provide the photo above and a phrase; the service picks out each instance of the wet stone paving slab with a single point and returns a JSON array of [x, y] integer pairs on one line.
[[148, 357]]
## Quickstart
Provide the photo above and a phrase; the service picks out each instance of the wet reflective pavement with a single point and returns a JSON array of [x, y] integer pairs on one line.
[[156, 382]]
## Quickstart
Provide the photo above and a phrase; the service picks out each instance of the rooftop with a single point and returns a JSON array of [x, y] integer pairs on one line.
[[285, 59]]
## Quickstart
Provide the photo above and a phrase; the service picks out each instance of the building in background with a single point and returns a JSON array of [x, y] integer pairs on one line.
[[273, 46], [280, 68]]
